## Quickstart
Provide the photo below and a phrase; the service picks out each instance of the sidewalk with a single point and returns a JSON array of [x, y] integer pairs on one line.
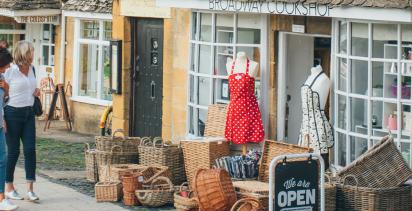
[[55, 197]]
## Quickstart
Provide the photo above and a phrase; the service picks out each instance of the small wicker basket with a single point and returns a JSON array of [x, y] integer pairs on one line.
[[92, 173], [115, 172], [185, 203], [108, 191], [156, 197]]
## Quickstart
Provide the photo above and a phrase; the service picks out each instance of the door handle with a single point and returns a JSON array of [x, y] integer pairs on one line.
[[153, 87], [137, 67]]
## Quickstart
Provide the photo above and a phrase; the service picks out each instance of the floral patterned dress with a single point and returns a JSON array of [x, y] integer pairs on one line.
[[243, 121], [314, 122]]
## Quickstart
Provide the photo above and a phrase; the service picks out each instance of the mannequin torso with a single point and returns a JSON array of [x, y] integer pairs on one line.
[[240, 65], [320, 84]]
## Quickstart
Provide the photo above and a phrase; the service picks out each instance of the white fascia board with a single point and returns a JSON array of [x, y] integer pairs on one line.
[[88, 15]]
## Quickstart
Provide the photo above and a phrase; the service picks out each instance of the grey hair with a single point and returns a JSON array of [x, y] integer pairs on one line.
[[23, 53]]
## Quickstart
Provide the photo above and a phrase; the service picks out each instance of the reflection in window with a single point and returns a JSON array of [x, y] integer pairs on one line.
[[360, 39], [88, 62], [89, 29], [248, 29]]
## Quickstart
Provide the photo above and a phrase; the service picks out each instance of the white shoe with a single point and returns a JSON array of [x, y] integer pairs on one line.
[[13, 195], [31, 196], [6, 205]]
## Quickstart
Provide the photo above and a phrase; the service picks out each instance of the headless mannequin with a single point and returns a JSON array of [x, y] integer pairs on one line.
[[322, 87], [240, 67]]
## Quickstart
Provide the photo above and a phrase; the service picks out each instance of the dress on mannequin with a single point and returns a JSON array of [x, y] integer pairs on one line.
[[243, 121], [315, 124]]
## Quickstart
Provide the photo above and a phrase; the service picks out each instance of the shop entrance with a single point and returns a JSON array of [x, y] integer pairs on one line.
[[147, 77], [297, 55]]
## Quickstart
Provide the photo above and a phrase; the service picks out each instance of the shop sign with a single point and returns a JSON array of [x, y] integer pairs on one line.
[[51, 19], [297, 186]]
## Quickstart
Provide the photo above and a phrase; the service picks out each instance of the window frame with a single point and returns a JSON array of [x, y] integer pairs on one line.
[[101, 43], [213, 44], [50, 43], [348, 95]]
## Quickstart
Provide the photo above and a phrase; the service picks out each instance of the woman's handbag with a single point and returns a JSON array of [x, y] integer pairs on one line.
[[37, 106]]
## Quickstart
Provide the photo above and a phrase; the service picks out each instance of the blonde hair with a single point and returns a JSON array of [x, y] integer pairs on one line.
[[23, 53]]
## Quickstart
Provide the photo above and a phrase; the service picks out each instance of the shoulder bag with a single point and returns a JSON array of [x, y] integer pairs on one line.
[[37, 106]]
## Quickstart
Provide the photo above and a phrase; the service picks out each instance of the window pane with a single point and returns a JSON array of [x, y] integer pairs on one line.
[[357, 147], [224, 28], [360, 39], [89, 29], [46, 32], [107, 30], [202, 121], [343, 37], [194, 26], [406, 152], [248, 31], [222, 94], [192, 58], [206, 27], [385, 37], [191, 120], [88, 62], [342, 112], [359, 115], [45, 58], [390, 85], [389, 115], [105, 92], [377, 120], [406, 87], [221, 57], [406, 118], [342, 74], [341, 140], [406, 41], [205, 59], [359, 76], [52, 56], [377, 78], [203, 91], [192, 89]]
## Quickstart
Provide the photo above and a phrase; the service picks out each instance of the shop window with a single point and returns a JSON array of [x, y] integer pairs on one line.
[[215, 37], [47, 44], [93, 57], [373, 88]]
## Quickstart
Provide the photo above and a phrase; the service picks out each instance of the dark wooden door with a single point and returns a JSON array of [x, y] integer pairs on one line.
[[147, 77]]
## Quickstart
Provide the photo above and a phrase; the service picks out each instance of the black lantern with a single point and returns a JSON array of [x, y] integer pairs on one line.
[[116, 66]]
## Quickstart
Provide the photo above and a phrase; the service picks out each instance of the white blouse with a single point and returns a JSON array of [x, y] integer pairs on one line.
[[21, 87]]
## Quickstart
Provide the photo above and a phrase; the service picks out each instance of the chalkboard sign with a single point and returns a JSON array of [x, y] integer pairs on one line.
[[297, 186]]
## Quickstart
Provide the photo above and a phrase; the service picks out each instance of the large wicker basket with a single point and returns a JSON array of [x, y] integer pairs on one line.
[[382, 166], [92, 174], [156, 197], [272, 149], [153, 172], [214, 189], [353, 197], [201, 154], [253, 189], [116, 156], [155, 152], [114, 172], [126, 144], [216, 120], [108, 191]]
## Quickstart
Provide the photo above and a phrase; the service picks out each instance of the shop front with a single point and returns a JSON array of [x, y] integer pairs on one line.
[[362, 50]]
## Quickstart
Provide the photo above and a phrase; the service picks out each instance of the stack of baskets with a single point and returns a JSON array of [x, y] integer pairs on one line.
[[92, 173], [155, 152], [375, 180], [131, 183]]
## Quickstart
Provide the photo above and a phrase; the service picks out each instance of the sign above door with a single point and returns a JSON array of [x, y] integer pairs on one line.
[[45, 19]]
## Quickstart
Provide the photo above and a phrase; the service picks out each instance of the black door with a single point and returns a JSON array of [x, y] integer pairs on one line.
[[147, 77]]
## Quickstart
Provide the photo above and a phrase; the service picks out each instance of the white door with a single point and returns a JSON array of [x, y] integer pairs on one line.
[[295, 64]]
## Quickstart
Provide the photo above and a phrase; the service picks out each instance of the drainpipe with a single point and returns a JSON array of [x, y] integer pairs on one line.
[[62, 48]]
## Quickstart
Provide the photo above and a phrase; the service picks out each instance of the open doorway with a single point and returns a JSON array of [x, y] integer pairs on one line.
[[297, 55]]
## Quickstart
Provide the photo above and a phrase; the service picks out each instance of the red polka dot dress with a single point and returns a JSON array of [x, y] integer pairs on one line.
[[243, 121]]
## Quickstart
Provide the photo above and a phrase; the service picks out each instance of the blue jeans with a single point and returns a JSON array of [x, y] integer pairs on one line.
[[20, 126], [3, 159]]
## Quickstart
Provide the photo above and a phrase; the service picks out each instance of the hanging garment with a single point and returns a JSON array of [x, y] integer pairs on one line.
[[243, 121], [314, 122]]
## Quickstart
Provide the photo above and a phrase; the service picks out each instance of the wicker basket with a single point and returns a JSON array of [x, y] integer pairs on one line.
[[353, 197], [127, 144], [115, 156], [216, 120], [153, 172], [246, 204], [330, 195], [132, 182], [156, 197], [253, 189], [182, 203], [272, 149], [201, 154], [382, 166], [157, 153], [130, 199], [108, 191], [115, 172], [92, 173], [214, 189]]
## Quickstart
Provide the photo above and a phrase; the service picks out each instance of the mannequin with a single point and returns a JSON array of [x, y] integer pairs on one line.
[[316, 130], [236, 70]]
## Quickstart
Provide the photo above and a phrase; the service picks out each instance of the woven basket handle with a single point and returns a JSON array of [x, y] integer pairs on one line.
[[350, 176], [245, 201], [114, 147], [167, 180], [157, 140], [86, 146], [119, 131], [145, 140], [142, 195], [185, 184]]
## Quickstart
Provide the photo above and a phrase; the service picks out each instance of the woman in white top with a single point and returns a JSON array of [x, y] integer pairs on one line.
[[19, 116]]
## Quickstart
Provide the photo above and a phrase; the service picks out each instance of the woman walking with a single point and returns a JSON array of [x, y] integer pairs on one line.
[[20, 121], [5, 60]]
